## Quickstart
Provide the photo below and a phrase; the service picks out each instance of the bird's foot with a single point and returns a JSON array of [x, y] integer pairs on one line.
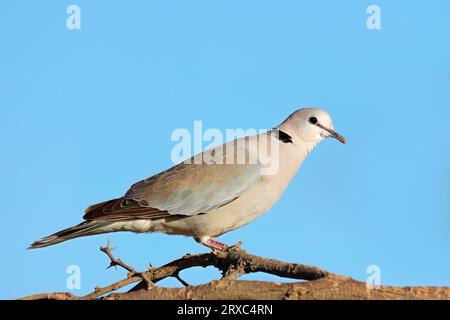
[[214, 244]]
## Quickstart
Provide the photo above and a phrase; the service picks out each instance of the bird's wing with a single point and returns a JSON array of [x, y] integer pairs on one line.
[[185, 189], [122, 209]]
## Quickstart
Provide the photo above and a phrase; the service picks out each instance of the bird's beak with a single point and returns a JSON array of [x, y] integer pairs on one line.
[[333, 133], [337, 136]]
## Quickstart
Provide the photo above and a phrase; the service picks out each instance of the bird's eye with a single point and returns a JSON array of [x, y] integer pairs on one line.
[[313, 120]]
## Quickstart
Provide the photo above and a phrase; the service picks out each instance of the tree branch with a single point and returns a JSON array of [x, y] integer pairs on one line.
[[235, 262]]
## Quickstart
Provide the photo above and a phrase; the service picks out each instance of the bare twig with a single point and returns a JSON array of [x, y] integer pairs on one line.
[[177, 276], [133, 275], [113, 261]]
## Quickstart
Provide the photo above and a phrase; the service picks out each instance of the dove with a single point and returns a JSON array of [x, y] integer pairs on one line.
[[214, 192]]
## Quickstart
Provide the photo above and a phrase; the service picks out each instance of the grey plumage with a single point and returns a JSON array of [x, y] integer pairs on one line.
[[214, 192]]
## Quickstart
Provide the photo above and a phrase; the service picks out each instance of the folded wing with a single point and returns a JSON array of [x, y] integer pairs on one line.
[[183, 190]]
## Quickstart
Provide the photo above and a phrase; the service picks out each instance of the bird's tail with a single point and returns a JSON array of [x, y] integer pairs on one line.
[[87, 228]]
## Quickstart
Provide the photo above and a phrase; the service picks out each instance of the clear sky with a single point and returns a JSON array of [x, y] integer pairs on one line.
[[86, 113]]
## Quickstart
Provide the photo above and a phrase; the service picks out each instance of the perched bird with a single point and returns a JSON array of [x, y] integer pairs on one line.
[[214, 192]]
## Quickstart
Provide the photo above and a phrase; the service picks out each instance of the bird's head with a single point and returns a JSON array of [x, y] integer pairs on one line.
[[311, 125]]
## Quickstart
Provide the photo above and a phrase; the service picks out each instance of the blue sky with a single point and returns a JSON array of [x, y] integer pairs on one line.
[[85, 113]]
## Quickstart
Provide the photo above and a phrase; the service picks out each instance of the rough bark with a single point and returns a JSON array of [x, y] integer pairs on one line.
[[317, 284]]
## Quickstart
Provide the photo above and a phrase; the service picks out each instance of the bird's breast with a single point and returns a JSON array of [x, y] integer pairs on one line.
[[255, 201]]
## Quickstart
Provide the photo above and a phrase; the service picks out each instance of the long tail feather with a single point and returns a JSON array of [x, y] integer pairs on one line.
[[83, 229]]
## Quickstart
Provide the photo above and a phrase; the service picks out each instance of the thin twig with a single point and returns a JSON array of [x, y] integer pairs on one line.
[[113, 261], [132, 274], [177, 276]]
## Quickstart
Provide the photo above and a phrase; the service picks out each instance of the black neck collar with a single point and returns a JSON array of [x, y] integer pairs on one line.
[[282, 136]]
